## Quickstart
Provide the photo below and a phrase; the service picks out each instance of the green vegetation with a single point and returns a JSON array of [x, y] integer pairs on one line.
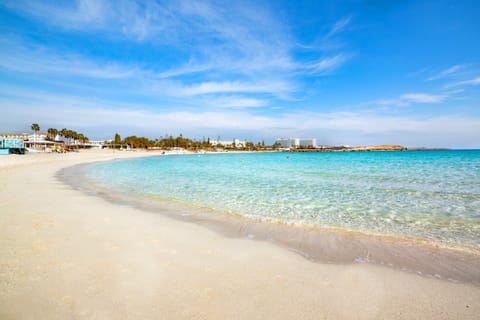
[[35, 127], [51, 133], [138, 142], [117, 139], [180, 141], [70, 136]]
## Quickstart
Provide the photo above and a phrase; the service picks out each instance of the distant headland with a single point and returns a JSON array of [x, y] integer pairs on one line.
[[386, 147]]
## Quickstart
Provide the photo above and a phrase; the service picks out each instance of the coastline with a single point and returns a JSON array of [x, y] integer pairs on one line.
[[319, 244], [65, 254]]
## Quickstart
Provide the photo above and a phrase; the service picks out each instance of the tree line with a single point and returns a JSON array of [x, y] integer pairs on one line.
[[168, 142], [67, 134], [177, 142]]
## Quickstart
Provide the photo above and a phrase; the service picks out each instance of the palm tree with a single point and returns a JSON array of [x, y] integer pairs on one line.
[[35, 127], [82, 138], [63, 133], [74, 136], [52, 132], [69, 136]]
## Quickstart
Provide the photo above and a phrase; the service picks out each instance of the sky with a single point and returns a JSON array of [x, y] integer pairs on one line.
[[357, 72]]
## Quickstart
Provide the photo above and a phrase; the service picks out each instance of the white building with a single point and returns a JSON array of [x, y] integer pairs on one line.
[[229, 143], [39, 141], [308, 143], [297, 142], [288, 142], [40, 137]]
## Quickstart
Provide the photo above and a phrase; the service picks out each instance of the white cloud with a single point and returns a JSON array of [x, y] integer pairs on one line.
[[93, 115], [189, 68], [409, 98], [236, 102], [338, 27], [235, 86], [458, 72], [327, 64], [234, 38], [452, 71], [391, 102], [475, 81], [470, 82], [422, 98], [52, 68], [17, 57], [134, 20], [230, 48]]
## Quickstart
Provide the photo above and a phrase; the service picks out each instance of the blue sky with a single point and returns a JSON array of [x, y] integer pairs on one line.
[[344, 72]]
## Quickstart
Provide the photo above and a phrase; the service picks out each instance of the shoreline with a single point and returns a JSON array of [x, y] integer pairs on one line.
[[315, 243], [65, 254]]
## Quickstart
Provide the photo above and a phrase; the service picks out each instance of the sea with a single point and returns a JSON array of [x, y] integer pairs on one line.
[[432, 196]]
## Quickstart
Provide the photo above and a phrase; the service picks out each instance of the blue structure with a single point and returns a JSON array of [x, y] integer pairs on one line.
[[9, 146]]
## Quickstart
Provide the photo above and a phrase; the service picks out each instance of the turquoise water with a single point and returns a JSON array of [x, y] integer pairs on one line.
[[433, 195]]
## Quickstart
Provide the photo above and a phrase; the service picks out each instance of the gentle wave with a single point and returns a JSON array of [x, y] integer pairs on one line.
[[434, 195]]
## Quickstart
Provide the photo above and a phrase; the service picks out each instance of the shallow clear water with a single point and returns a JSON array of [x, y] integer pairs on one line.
[[433, 195]]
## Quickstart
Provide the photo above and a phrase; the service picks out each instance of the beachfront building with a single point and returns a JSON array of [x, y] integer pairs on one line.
[[308, 143], [29, 141], [24, 136], [92, 144], [229, 143], [9, 146], [19, 136], [40, 142], [288, 142], [293, 143], [37, 142]]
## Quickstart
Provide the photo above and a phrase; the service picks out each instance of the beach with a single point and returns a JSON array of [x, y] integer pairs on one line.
[[68, 254]]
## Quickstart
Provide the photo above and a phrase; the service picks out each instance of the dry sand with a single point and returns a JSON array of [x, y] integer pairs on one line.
[[68, 255]]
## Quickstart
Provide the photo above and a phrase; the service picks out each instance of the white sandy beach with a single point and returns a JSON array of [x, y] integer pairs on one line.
[[68, 255]]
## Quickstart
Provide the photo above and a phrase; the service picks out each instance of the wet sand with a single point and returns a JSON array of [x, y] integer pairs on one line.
[[325, 245], [67, 254]]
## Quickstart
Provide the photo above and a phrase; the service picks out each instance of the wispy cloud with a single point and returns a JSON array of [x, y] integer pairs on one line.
[[237, 102], [338, 27], [409, 98], [232, 87], [52, 67], [191, 67], [17, 57], [83, 113], [447, 73], [326, 65], [470, 82], [134, 20], [244, 45], [456, 76], [422, 98]]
